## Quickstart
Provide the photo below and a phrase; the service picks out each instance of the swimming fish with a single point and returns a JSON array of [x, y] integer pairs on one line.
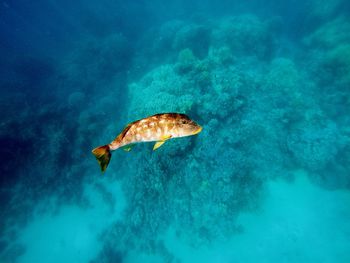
[[158, 128]]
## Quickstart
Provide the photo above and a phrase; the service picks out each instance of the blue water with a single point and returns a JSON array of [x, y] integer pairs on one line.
[[268, 178]]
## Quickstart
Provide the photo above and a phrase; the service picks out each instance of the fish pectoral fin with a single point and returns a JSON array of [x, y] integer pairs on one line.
[[160, 143], [157, 145], [166, 137], [128, 148]]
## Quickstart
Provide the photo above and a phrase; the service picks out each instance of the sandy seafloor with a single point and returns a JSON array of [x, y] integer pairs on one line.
[[268, 178]]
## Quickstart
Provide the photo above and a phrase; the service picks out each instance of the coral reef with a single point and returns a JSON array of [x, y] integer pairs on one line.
[[185, 182], [314, 146], [202, 184]]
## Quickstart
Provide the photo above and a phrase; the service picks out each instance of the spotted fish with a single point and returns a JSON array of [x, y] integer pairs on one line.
[[157, 128]]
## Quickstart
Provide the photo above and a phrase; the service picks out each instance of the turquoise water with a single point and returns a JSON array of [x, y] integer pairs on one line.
[[268, 178]]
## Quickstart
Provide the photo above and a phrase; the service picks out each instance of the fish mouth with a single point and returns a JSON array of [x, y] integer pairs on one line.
[[198, 130]]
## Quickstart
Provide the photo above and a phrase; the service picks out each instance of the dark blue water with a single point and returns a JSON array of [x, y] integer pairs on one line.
[[268, 178]]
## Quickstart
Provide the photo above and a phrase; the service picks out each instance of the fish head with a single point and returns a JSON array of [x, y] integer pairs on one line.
[[189, 127]]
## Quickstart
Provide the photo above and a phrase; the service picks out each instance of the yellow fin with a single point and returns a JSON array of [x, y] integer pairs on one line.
[[157, 145], [160, 143], [166, 137]]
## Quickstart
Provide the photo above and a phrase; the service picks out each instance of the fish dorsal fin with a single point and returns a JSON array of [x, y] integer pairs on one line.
[[123, 133], [160, 143]]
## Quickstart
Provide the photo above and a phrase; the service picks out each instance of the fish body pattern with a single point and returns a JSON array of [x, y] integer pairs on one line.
[[156, 128]]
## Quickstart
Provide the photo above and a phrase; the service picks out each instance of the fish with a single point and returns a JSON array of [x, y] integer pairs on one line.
[[156, 128]]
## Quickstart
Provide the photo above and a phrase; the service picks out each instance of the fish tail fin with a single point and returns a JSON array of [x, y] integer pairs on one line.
[[103, 156]]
